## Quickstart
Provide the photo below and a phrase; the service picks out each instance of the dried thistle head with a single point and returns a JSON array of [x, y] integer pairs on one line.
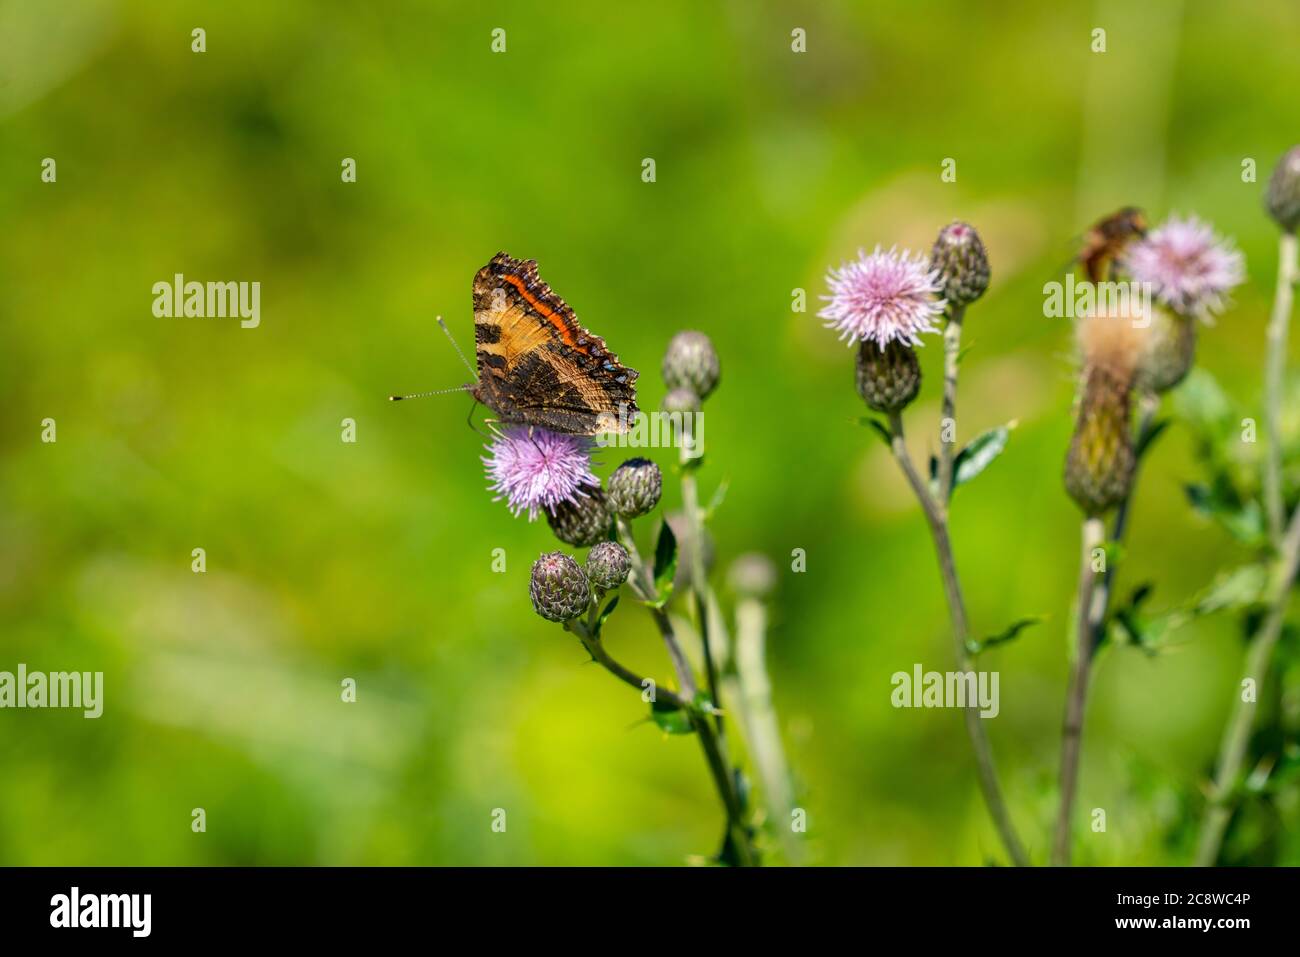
[[1101, 460], [1114, 341]]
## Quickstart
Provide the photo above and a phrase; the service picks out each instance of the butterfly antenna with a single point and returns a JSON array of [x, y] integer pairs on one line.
[[457, 348], [421, 395]]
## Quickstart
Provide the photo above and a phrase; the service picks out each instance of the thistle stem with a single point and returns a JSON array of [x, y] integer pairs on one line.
[[695, 568], [1275, 363], [1236, 736], [759, 717], [951, 360], [1094, 534], [936, 515], [642, 582], [626, 675]]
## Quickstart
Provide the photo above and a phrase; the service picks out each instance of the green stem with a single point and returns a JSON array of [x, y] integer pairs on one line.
[[1274, 368], [951, 360], [758, 715], [695, 570], [642, 581], [936, 515], [598, 653], [1094, 534], [1236, 736]]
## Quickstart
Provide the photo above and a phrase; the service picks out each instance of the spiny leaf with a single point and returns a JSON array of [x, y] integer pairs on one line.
[[665, 560], [1010, 633], [604, 615], [1244, 520], [671, 720], [1239, 588], [883, 430], [979, 453], [1147, 438], [719, 495]]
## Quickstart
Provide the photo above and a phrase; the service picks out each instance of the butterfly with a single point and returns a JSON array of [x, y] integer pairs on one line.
[[537, 365]]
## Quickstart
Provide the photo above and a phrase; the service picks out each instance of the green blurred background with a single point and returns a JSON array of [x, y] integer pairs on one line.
[[373, 560]]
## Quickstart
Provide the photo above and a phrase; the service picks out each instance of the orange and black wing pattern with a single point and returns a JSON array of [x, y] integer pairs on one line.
[[536, 364]]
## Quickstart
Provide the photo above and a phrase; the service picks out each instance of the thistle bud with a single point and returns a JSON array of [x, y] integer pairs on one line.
[[1169, 354], [962, 263], [634, 488], [558, 587], [752, 575], [691, 362], [1099, 466], [1283, 196], [681, 400], [888, 378], [583, 520], [608, 565]]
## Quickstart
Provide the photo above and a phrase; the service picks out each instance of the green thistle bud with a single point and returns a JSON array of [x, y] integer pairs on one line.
[[752, 575], [1283, 196], [691, 362], [558, 587], [583, 521], [962, 263], [1169, 353], [889, 378], [681, 400], [608, 565], [1099, 466], [634, 488]]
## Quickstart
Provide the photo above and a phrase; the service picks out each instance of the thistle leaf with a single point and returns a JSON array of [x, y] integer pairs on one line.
[[671, 720], [881, 428], [979, 454], [1010, 633], [665, 560]]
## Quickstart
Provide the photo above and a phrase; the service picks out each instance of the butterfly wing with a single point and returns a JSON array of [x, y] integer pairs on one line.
[[537, 364]]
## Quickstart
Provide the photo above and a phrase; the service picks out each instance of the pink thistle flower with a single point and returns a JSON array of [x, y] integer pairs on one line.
[[883, 298], [534, 468], [1190, 268]]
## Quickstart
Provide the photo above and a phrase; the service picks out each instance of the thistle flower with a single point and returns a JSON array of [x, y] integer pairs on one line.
[[691, 362], [962, 262], [1099, 466], [1283, 196], [1190, 268], [558, 587], [533, 468], [608, 565], [582, 522], [883, 298], [889, 378], [634, 488]]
